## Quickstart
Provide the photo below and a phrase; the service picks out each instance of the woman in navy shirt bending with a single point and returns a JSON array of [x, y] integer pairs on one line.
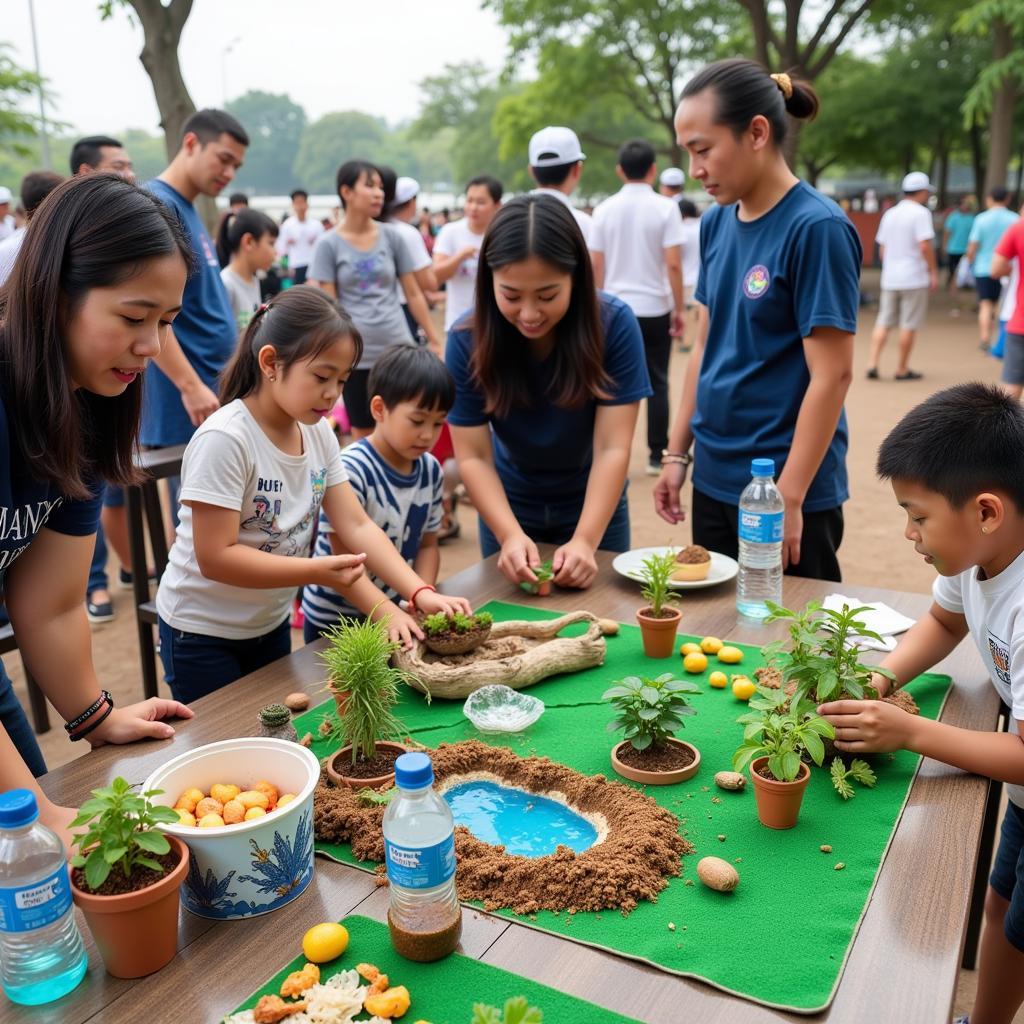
[[91, 299], [778, 293], [549, 375]]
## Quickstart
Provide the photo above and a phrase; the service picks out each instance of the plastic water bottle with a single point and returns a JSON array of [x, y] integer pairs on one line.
[[41, 952], [760, 534], [424, 917]]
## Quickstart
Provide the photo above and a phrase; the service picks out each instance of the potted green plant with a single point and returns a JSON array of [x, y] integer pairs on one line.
[[126, 876], [456, 634], [542, 588], [778, 732], [658, 623], [649, 711], [365, 688]]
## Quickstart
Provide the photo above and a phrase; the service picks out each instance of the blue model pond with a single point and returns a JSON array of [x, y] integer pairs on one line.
[[524, 823]]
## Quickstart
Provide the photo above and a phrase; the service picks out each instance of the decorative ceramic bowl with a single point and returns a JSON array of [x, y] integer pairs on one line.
[[502, 709], [254, 867]]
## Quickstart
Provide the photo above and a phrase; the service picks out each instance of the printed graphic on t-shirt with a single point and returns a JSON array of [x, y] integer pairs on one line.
[[266, 511], [208, 250], [1000, 654], [367, 271], [756, 281], [22, 523]]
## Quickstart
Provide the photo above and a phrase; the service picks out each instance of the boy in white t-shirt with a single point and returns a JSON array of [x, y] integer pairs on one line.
[[459, 241], [298, 237], [956, 464]]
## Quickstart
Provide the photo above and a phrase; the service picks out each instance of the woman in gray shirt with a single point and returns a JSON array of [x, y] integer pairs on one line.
[[358, 263]]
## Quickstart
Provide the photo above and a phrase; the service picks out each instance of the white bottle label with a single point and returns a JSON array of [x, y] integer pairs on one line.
[[37, 905], [760, 527], [420, 867]]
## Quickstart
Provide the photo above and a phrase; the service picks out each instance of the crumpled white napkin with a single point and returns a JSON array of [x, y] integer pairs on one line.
[[881, 619]]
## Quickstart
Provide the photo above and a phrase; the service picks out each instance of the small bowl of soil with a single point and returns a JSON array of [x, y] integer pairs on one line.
[[659, 765], [367, 772], [692, 563], [455, 634]]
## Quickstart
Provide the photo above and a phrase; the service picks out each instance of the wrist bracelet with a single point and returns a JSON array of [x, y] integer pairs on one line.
[[94, 724], [89, 711], [418, 591]]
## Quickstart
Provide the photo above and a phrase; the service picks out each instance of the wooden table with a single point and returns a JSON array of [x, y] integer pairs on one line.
[[902, 967]]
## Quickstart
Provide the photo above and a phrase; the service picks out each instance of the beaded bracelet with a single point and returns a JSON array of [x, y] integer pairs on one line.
[[89, 711], [94, 724], [416, 592]]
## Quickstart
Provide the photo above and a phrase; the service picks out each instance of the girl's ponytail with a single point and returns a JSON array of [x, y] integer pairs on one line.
[[235, 226], [242, 374]]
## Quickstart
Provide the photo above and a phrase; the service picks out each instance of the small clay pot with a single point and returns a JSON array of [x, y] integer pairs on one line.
[[657, 778], [137, 932], [542, 588], [778, 803], [659, 635], [340, 698], [458, 643], [337, 763]]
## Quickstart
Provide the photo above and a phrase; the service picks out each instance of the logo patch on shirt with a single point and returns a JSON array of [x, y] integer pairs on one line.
[[756, 281], [1000, 655]]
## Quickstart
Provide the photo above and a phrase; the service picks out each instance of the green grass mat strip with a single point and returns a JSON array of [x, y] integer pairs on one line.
[[443, 992], [791, 904]]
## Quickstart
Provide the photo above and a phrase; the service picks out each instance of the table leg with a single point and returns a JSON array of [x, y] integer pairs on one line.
[[976, 912]]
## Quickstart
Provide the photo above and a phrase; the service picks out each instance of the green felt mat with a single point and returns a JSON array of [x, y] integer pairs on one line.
[[443, 992], [791, 902]]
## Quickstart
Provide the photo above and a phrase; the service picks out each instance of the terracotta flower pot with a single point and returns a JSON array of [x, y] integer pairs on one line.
[[659, 634], [458, 643], [137, 932], [337, 765], [340, 699], [657, 778], [778, 803]]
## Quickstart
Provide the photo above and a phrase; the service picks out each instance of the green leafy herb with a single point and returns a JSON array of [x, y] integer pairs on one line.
[[517, 1011], [438, 624], [122, 832], [367, 797], [782, 729], [544, 573], [655, 575], [649, 710], [860, 771]]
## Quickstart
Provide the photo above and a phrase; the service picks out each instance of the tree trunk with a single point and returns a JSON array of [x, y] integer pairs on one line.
[[942, 171], [978, 162], [1001, 125]]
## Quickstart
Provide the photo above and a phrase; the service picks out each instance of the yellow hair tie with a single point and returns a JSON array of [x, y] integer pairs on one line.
[[784, 82]]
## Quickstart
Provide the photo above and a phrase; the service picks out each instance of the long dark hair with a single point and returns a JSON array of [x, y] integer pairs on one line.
[[299, 324], [541, 226], [743, 89], [94, 231], [235, 226]]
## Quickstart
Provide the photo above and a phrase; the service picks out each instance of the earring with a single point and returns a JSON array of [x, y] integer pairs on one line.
[[984, 529], [271, 376]]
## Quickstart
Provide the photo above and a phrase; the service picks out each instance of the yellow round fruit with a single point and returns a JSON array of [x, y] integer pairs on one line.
[[711, 645], [718, 680], [695, 662], [689, 648], [743, 688], [730, 655], [324, 942]]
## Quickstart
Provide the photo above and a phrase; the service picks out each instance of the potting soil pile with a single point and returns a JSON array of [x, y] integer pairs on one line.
[[443, 992], [791, 897]]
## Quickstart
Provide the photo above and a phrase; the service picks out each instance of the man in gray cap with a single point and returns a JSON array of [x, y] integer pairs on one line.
[[7, 224], [671, 182], [556, 163]]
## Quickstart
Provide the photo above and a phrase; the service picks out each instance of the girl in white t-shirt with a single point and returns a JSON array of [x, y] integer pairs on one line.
[[245, 246], [253, 480]]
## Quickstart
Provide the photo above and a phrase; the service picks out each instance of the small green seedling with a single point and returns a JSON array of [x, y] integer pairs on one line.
[[650, 710], [517, 1011], [859, 770]]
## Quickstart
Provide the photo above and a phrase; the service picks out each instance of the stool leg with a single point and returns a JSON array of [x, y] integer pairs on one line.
[[140, 587], [37, 702]]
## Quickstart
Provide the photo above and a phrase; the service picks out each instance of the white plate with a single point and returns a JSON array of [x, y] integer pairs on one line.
[[630, 564]]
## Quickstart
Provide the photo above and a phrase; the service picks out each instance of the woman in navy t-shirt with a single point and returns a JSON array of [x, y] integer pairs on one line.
[[778, 291], [91, 298], [549, 375]]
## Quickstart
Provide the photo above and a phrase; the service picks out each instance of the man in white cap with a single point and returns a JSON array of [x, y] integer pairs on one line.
[[671, 182], [7, 224], [400, 212], [556, 163], [906, 244]]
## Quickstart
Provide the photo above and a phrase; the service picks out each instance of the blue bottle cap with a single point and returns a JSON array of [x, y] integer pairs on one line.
[[413, 771], [18, 807], [762, 467]]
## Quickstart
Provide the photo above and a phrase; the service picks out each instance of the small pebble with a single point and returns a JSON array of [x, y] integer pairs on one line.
[[840, 866], [296, 701], [609, 627], [671, 927], [721, 839], [825, 848], [689, 881], [307, 740], [716, 799], [730, 780]]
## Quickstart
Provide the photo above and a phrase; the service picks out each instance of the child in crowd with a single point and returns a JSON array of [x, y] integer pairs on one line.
[[246, 243], [392, 473], [254, 479], [956, 463]]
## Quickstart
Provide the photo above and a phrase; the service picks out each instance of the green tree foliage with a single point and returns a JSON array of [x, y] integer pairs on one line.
[[275, 125], [980, 19], [19, 147], [333, 139]]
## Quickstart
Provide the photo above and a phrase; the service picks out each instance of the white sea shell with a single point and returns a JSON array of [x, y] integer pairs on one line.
[[502, 709]]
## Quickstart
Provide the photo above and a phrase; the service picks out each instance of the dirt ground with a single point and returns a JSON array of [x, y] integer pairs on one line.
[[874, 551]]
